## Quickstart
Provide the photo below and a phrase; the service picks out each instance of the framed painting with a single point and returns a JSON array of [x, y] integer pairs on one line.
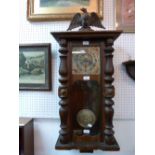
[[43, 10], [125, 15], [35, 67]]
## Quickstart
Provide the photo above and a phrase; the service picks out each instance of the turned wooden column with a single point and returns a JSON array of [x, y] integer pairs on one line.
[[109, 92], [63, 93]]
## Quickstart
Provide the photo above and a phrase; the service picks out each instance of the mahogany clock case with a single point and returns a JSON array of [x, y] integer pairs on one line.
[[86, 86]]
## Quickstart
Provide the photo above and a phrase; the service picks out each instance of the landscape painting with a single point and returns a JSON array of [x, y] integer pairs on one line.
[[44, 10], [63, 3], [33, 67], [125, 15]]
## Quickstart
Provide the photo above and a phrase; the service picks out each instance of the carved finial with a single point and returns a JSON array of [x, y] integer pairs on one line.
[[85, 20], [84, 10]]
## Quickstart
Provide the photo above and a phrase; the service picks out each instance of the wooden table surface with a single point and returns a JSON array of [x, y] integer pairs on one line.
[[24, 120]]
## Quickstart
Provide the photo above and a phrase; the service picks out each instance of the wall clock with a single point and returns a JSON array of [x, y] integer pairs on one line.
[[86, 90]]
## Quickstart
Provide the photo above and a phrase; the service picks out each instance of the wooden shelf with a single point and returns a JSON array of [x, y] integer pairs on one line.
[[130, 68]]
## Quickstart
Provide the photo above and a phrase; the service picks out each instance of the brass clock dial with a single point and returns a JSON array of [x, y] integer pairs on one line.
[[86, 60]]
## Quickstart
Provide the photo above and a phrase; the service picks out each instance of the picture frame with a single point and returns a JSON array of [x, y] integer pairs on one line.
[[125, 15], [35, 66], [45, 10]]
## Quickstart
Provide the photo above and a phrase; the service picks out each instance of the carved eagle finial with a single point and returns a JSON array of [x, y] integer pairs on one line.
[[85, 20], [84, 10]]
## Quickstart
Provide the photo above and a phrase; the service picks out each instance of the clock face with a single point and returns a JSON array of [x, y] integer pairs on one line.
[[86, 60]]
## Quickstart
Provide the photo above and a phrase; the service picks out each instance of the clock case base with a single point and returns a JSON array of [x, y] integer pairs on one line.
[[87, 147]]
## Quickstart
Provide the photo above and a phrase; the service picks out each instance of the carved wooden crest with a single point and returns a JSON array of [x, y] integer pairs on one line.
[[85, 20]]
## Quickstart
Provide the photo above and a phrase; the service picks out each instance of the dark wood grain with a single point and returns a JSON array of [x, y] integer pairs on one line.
[[63, 93], [26, 136], [109, 92], [75, 97]]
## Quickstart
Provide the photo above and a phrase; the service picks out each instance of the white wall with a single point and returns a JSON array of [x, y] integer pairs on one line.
[[45, 104]]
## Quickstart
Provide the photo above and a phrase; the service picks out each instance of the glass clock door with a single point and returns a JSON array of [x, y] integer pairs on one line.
[[86, 85]]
